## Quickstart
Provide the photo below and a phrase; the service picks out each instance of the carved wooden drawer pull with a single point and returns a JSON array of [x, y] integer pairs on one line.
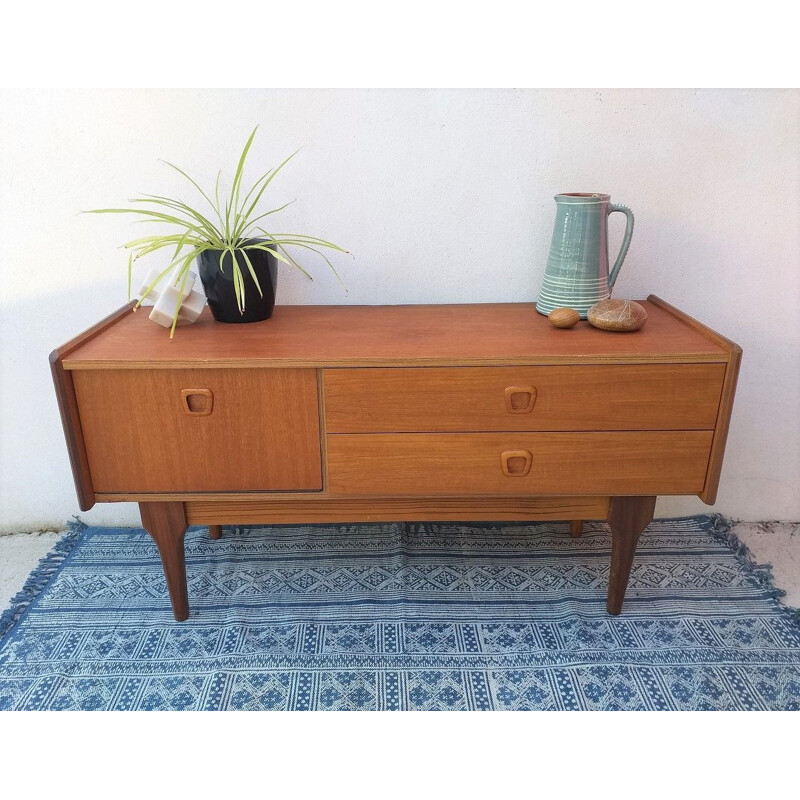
[[197, 402], [516, 463], [520, 399]]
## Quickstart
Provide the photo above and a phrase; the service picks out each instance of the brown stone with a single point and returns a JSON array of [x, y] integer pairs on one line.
[[617, 315], [564, 317]]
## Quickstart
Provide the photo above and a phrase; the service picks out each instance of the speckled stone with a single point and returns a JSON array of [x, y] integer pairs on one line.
[[617, 315]]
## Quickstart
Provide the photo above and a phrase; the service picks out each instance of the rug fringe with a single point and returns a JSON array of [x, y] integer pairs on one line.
[[718, 526], [42, 574], [720, 529]]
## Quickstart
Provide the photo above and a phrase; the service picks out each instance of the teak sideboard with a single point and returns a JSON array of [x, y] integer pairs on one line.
[[390, 413]]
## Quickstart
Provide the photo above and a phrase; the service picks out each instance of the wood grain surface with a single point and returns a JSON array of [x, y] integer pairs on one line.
[[640, 462], [709, 493], [308, 509], [68, 407], [263, 432], [573, 398], [319, 336], [166, 523], [395, 413], [734, 351], [628, 517]]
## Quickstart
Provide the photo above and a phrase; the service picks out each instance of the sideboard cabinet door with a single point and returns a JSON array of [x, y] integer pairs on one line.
[[200, 430]]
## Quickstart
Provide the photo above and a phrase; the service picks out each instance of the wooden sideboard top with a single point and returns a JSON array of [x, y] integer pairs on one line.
[[415, 335]]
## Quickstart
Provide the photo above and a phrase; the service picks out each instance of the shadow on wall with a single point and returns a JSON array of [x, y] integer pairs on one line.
[[36, 487], [722, 284]]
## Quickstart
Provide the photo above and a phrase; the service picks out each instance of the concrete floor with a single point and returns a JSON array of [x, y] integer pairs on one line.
[[776, 543], [19, 554]]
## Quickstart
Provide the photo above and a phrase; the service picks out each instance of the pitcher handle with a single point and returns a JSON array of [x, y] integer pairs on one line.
[[626, 241]]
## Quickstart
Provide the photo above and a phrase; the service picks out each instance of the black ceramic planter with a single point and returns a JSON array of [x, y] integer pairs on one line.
[[218, 285]]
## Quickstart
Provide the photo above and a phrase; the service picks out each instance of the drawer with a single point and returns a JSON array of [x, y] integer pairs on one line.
[[628, 463], [200, 430], [559, 398]]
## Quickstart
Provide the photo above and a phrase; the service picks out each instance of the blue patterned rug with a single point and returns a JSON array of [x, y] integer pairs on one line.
[[401, 616]]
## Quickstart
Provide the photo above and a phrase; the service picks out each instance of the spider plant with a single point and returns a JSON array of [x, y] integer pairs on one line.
[[228, 224]]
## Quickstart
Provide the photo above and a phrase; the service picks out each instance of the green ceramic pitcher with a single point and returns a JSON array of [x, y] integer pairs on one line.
[[577, 274]]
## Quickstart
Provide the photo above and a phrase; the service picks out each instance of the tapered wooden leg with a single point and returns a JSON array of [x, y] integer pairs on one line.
[[214, 531], [628, 517], [166, 523], [575, 528]]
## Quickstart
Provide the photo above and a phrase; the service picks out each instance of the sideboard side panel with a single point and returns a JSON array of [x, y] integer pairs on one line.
[[71, 423], [734, 353], [709, 493], [68, 406]]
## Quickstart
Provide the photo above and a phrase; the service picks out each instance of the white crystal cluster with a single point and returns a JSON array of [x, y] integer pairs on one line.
[[168, 294]]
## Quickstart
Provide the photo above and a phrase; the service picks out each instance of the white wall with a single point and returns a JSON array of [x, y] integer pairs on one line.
[[442, 196]]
